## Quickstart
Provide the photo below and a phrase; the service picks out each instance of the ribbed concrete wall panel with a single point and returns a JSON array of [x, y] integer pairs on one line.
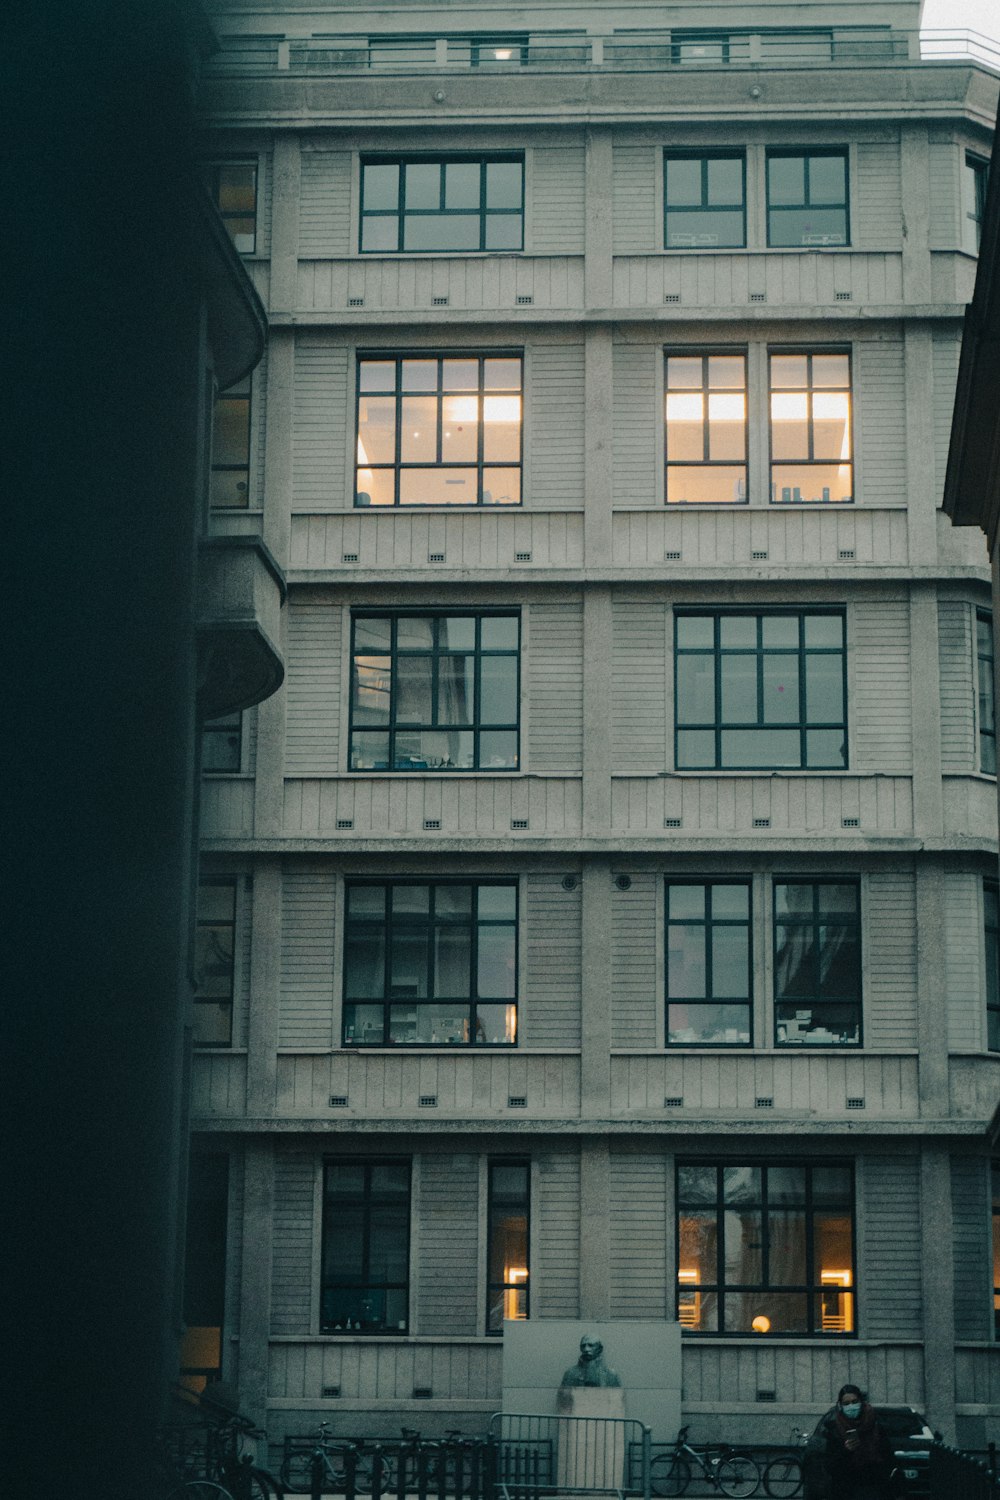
[[552, 937], [307, 958], [449, 1239]]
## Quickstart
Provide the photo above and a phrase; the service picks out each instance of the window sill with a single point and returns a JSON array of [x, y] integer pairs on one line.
[[777, 771]]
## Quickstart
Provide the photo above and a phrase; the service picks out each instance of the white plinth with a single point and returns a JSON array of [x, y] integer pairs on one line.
[[591, 1452]]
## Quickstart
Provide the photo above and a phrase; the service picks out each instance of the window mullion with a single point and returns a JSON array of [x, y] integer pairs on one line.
[[439, 413], [803, 705], [399, 427], [765, 1232], [720, 1248], [706, 447], [812, 1279], [759, 663], [481, 427]]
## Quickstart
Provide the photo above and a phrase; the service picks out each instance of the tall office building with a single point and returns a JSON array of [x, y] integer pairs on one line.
[[601, 921]]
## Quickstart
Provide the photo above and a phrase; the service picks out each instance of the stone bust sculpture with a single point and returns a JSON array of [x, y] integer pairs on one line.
[[590, 1368]]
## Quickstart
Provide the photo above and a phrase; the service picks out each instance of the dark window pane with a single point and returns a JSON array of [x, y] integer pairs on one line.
[[686, 968], [708, 1025], [364, 976], [496, 977], [498, 902], [452, 962], [498, 690], [697, 1185], [730, 962]]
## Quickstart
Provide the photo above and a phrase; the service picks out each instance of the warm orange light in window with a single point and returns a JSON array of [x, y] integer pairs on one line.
[[689, 1302], [761, 1324], [685, 406]]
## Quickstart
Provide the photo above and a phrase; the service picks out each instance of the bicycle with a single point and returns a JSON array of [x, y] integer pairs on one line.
[[226, 1463], [783, 1474], [297, 1466], [734, 1474]]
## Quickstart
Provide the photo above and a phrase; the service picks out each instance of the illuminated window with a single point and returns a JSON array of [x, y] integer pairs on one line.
[[215, 940], [494, 51], [366, 1246], [231, 448], [439, 430], [431, 965], [446, 204], [233, 186], [708, 963], [991, 925], [975, 178], [435, 692], [807, 198], [817, 963], [507, 1252], [765, 1248], [811, 428], [764, 690], [704, 196], [706, 428], [221, 744], [204, 1271], [986, 698]]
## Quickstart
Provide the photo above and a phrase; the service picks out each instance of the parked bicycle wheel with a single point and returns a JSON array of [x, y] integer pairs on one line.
[[669, 1474], [200, 1489], [296, 1472], [783, 1476], [738, 1475]]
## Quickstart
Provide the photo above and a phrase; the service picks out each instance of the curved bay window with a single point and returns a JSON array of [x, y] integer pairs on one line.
[[765, 1248], [435, 692], [507, 1268], [431, 964], [366, 1246]]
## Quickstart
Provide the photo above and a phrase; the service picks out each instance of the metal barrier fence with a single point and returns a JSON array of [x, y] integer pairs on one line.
[[537, 1455], [953, 1474], [429, 1469]]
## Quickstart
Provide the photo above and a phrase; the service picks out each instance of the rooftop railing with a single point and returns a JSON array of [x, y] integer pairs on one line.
[[622, 51]]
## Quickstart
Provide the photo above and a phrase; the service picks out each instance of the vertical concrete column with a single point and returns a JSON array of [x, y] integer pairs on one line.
[[597, 645], [269, 778], [938, 1262], [597, 457], [595, 1018], [595, 1228], [915, 171], [285, 178], [922, 495], [265, 948], [599, 218], [932, 1035], [925, 707], [255, 1291]]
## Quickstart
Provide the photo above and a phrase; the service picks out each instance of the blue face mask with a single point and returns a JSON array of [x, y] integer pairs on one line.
[[851, 1410]]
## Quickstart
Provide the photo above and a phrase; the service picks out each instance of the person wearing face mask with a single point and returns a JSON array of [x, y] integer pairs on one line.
[[849, 1455]]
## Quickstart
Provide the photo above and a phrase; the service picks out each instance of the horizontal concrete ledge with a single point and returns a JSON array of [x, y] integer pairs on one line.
[[824, 1126], [749, 845], [386, 1404], [625, 313], [658, 575]]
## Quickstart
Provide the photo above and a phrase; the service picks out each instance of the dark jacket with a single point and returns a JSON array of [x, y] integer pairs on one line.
[[830, 1472]]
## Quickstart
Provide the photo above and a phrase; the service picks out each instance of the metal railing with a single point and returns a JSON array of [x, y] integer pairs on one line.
[[624, 51], [538, 1455], [952, 1474]]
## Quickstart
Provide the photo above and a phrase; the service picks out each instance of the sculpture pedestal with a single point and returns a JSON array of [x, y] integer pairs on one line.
[[591, 1452]]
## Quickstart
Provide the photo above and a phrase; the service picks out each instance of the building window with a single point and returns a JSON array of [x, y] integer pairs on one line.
[[817, 964], [494, 51], [439, 430], [437, 203], [231, 448], [975, 177], [233, 186], [435, 692], [222, 744], [707, 48], [704, 200], [204, 1271], [366, 1246], [756, 691], [991, 926], [807, 198], [811, 428], [987, 706], [214, 950], [706, 428], [708, 963], [765, 1249], [507, 1237], [995, 1184], [430, 965]]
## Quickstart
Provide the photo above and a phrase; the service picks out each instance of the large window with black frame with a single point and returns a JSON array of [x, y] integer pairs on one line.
[[439, 429], [807, 200], [435, 692], [986, 698], [817, 963], [233, 186], [708, 963], [765, 1248], [706, 427], [508, 1210], [366, 1246], [756, 690], [214, 962], [430, 963], [704, 200], [991, 933], [811, 462], [457, 203]]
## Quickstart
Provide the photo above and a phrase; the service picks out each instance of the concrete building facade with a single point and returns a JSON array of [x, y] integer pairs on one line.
[[601, 921]]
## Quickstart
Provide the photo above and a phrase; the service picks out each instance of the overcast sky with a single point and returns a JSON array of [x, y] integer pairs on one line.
[[969, 15]]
